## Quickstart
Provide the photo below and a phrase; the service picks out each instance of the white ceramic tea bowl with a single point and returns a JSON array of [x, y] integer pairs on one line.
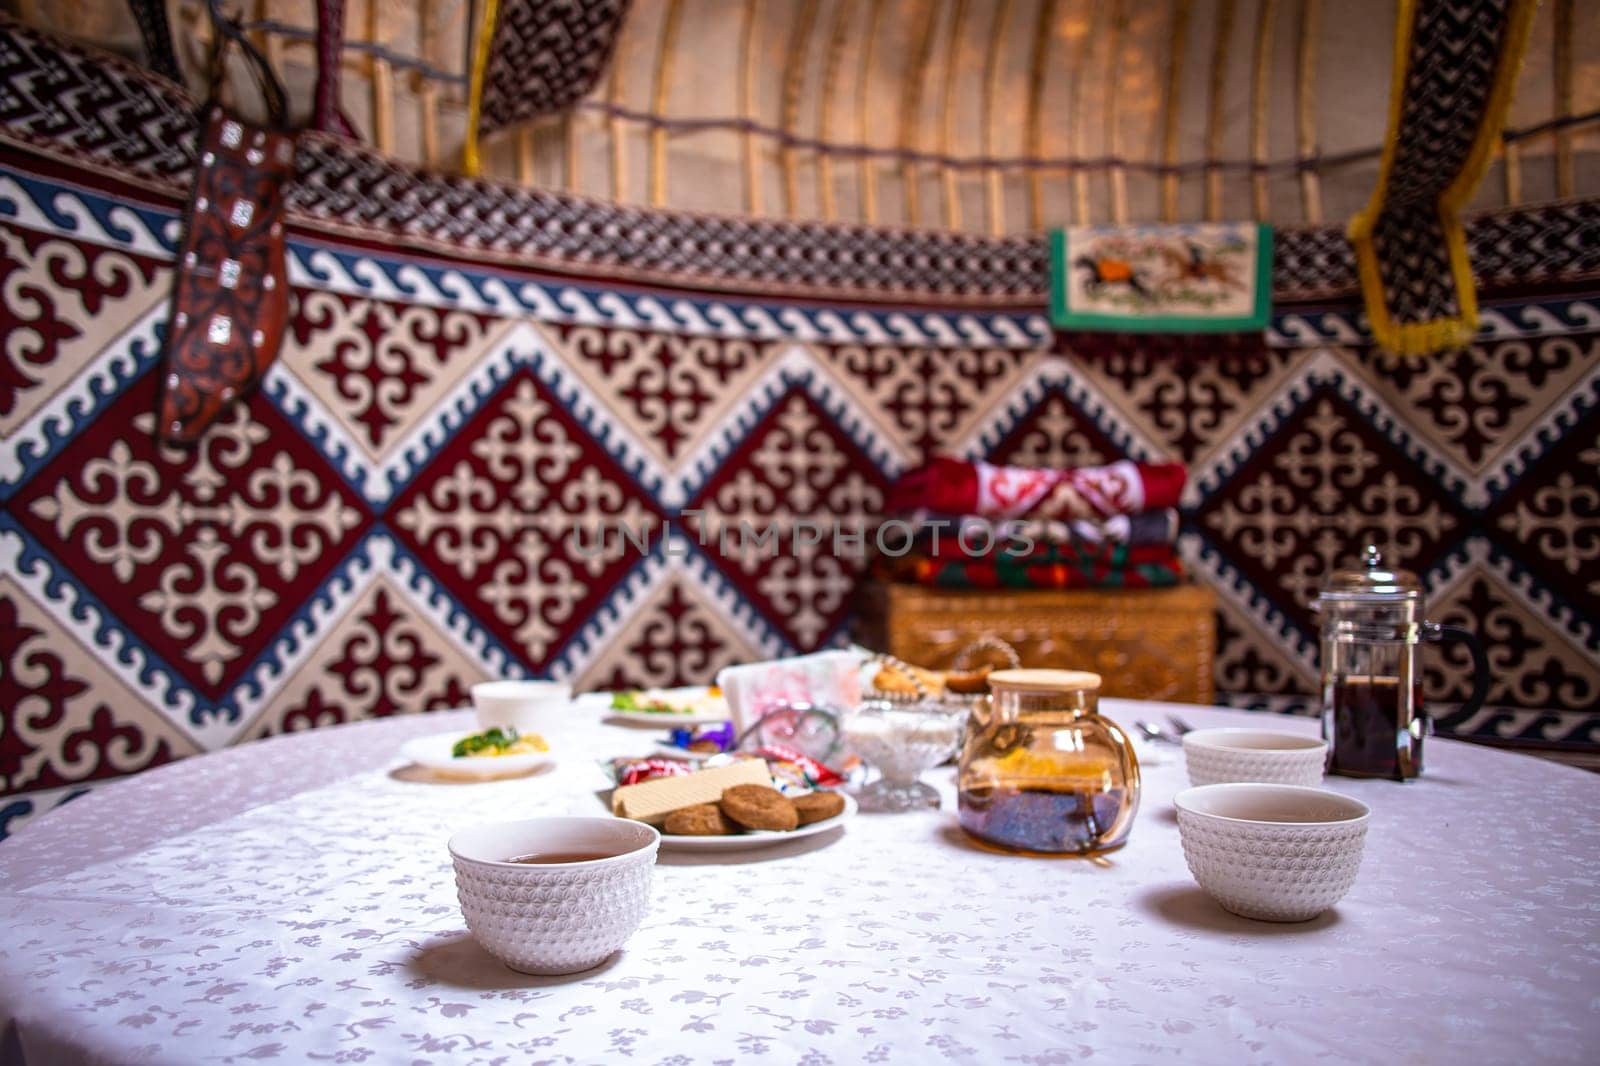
[[1218, 755], [1280, 853], [526, 706], [554, 918]]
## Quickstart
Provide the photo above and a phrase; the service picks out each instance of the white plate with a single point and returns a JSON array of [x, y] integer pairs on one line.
[[663, 718], [433, 752], [749, 841]]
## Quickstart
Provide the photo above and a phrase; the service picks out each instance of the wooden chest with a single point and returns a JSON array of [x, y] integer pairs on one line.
[[1153, 644]]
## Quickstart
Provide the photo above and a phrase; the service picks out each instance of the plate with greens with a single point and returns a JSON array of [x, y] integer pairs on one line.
[[499, 752], [669, 707]]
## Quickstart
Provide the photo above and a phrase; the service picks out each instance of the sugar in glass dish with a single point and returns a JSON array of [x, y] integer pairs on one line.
[[901, 741]]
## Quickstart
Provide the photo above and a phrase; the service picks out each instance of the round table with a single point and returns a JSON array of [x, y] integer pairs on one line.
[[292, 900]]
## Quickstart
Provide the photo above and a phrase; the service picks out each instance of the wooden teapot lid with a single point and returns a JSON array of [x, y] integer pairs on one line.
[[1044, 680]]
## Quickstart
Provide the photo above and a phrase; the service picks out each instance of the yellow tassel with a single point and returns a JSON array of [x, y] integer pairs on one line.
[[470, 163]]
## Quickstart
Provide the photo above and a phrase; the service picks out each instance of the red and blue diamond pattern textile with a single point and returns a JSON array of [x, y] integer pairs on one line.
[[395, 514]]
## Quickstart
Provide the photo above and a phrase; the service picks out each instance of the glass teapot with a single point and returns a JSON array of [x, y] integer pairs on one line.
[[1041, 771], [1372, 711]]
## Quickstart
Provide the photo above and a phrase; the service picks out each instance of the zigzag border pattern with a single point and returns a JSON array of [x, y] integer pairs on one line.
[[1543, 435], [1538, 598], [124, 360], [684, 559], [1199, 554], [1052, 376], [82, 614], [1325, 370], [93, 217]]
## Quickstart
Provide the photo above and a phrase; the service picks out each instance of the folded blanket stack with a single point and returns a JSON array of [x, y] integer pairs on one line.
[[965, 524]]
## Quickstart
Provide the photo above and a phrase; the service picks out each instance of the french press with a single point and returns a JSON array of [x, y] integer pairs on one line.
[[1372, 710]]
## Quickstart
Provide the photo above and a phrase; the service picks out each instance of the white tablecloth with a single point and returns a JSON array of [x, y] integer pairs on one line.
[[288, 902]]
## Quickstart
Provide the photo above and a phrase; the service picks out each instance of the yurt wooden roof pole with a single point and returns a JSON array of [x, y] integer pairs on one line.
[[1261, 69], [1220, 48], [382, 82], [838, 37], [666, 51], [1043, 29], [911, 84], [618, 132], [1561, 69], [1305, 110], [572, 174], [869, 167], [1170, 98], [794, 76], [747, 107], [269, 44], [947, 132], [994, 177], [1078, 114], [427, 88], [1117, 173]]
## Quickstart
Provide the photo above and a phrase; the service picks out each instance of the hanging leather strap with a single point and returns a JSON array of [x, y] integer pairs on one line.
[[151, 15], [326, 113], [226, 31], [230, 294]]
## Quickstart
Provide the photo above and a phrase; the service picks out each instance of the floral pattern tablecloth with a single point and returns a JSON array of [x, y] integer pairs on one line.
[[293, 902]]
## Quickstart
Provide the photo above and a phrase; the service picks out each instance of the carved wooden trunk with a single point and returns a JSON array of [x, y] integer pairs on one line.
[[1147, 643]]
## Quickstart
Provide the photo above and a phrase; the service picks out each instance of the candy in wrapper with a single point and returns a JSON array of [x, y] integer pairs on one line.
[[717, 738], [797, 768], [633, 771]]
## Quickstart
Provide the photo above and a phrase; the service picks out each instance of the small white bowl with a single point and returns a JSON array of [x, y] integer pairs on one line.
[[554, 918], [1218, 755], [526, 706], [1280, 853]]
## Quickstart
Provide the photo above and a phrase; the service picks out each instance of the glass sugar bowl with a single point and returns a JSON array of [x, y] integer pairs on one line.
[[1042, 771], [901, 741]]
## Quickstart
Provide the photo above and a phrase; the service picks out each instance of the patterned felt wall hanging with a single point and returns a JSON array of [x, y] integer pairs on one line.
[[1455, 68], [1200, 278], [535, 57]]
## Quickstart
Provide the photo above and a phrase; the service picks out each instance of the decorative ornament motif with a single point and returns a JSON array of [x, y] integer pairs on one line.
[[1455, 69]]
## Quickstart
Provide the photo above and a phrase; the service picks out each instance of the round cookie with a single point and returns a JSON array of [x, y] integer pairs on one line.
[[817, 806], [700, 820], [759, 807]]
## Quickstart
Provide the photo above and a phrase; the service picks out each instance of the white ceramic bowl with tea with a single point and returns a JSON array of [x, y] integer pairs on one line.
[[1215, 756], [1278, 853], [554, 895]]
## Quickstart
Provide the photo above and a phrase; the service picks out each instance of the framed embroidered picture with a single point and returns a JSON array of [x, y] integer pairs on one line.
[[1212, 277]]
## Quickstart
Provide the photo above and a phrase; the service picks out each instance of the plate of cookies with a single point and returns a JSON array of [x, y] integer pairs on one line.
[[729, 824], [732, 807]]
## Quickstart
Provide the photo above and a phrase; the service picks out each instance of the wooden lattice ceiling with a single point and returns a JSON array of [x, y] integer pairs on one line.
[[988, 115]]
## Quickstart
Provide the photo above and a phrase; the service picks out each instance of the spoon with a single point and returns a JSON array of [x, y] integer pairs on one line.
[[1179, 725], [1155, 732]]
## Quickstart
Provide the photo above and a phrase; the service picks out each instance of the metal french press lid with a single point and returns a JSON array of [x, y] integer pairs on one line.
[[1371, 582]]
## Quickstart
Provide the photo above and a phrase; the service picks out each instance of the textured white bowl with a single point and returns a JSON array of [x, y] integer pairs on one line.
[[1281, 853], [526, 706], [554, 919], [1218, 755]]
